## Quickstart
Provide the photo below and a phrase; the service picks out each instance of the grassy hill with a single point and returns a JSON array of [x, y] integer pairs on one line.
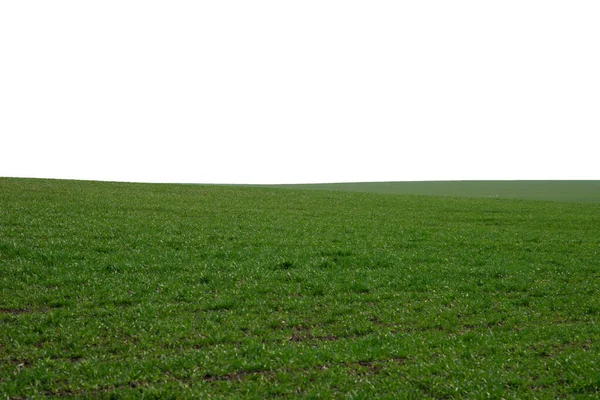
[[574, 191], [122, 290]]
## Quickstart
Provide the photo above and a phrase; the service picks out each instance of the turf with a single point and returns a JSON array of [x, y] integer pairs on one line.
[[114, 290], [571, 191]]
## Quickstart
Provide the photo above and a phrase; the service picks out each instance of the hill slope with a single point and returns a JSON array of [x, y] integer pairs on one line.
[[576, 191]]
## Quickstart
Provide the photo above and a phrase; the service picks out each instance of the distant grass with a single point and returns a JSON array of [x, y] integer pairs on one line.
[[575, 191], [117, 290]]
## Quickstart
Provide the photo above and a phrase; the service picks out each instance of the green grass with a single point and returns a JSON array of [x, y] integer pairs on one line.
[[113, 290], [572, 191]]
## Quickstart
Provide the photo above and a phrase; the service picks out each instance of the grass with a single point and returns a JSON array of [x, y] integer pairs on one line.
[[114, 290], [571, 191]]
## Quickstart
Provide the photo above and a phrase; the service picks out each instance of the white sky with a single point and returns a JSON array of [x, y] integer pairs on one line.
[[289, 91]]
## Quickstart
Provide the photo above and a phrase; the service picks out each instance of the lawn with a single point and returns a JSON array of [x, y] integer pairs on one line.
[[116, 290]]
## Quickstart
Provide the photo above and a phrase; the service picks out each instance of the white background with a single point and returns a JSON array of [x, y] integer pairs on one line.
[[289, 91]]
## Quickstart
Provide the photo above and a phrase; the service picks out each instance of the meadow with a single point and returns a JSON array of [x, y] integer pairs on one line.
[[123, 290]]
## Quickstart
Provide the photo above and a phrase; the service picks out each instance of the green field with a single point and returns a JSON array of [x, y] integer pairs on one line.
[[572, 191], [115, 290]]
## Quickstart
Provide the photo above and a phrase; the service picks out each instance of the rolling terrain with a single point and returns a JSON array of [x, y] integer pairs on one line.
[[571, 191]]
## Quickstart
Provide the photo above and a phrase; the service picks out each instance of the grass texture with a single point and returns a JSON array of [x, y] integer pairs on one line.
[[571, 191], [115, 290]]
